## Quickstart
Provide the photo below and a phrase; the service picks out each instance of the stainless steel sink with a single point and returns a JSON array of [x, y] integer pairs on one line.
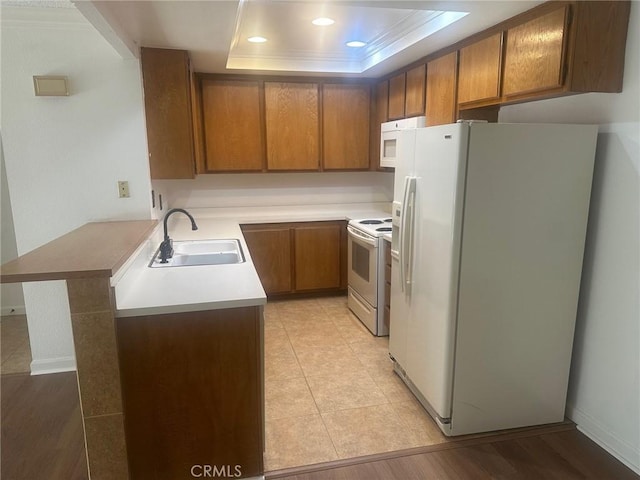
[[202, 252]]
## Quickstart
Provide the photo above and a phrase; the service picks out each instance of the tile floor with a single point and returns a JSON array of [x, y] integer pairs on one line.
[[330, 390], [14, 345]]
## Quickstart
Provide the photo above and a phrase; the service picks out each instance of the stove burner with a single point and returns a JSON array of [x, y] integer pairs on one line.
[[387, 220], [383, 229], [370, 222]]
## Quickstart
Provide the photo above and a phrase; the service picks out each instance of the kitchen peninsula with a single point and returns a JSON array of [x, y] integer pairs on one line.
[[160, 392]]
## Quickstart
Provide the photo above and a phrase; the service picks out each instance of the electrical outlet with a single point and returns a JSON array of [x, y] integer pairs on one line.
[[123, 189]]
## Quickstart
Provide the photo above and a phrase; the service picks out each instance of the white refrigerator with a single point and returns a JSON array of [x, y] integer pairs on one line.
[[489, 224]]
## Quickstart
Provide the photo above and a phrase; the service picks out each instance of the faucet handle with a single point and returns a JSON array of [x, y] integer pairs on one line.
[[166, 250]]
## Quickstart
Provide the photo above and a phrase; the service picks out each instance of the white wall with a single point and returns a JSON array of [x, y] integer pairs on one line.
[[277, 189], [64, 155], [604, 390], [11, 298]]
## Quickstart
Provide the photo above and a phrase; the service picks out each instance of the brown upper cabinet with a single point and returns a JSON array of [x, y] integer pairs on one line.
[[415, 91], [570, 48], [232, 125], [166, 79], [479, 71], [292, 126], [441, 89], [535, 53], [345, 126], [379, 115], [397, 86]]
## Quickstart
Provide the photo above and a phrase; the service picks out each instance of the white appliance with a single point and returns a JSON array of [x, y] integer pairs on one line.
[[366, 249], [389, 133], [489, 225]]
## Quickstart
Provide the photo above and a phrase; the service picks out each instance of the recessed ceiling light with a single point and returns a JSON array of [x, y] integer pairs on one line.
[[323, 21], [356, 44], [257, 39]]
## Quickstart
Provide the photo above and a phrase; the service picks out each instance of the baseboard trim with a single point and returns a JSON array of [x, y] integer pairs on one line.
[[53, 365], [12, 310], [600, 434]]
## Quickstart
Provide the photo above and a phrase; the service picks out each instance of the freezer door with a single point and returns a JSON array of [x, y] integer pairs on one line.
[[440, 166]]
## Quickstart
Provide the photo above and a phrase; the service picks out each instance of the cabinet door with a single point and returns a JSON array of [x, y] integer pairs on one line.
[[192, 388], [345, 124], [414, 94], [441, 90], [378, 116], [397, 87], [270, 248], [318, 256], [232, 125], [479, 71], [167, 104], [291, 111], [534, 54]]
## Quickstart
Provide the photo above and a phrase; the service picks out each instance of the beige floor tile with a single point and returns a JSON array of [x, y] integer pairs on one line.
[[275, 339], [353, 331], [288, 398], [307, 305], [327, 335], [373, 353], [418, 422], [346, 391], [18, 362], [328, 360], [393, 388], [367, 430], [281, 365], [298, 441]]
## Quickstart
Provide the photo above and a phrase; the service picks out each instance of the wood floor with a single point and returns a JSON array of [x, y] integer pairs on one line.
[[41, 428], [561, 455]]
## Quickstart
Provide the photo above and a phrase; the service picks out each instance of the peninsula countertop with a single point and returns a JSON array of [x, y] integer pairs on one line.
[[96, 249]]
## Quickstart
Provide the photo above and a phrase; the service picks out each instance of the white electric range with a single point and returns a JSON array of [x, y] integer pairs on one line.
[[366, 271]]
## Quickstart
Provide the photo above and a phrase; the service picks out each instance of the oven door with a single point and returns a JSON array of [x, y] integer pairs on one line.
[[363, 267]]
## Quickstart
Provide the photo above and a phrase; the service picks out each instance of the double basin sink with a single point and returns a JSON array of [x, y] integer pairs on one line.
[[202, 252]]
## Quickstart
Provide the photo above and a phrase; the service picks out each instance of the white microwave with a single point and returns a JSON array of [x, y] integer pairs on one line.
[[389, 138]]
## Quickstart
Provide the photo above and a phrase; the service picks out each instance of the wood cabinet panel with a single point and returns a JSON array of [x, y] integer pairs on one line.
[[378, 116], [397, 87], [479, 70], [270, 249], [317, 257], [441, 90], [345, 126], [292, 126], [415, 91], [232, 121], [192, 391], [167, 103], [534, 54], [299, 258], [599, 46]]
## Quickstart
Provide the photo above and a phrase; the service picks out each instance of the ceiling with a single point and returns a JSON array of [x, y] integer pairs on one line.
[[215, 32]]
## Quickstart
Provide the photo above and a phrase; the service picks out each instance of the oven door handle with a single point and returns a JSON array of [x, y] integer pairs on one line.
[[364, 238]]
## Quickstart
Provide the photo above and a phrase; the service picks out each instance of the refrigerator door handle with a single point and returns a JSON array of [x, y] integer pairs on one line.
[[406, 233]]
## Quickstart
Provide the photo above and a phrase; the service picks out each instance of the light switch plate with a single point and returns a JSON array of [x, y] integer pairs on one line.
[[123, 189]]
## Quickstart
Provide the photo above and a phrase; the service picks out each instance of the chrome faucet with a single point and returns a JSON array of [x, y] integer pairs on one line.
[[166, 247]]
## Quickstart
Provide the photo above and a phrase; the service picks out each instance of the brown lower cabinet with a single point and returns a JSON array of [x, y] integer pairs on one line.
[[299, 258], [192, 390]]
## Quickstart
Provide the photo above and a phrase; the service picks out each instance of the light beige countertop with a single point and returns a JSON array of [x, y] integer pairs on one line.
[[140, 290], [96, 249]]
